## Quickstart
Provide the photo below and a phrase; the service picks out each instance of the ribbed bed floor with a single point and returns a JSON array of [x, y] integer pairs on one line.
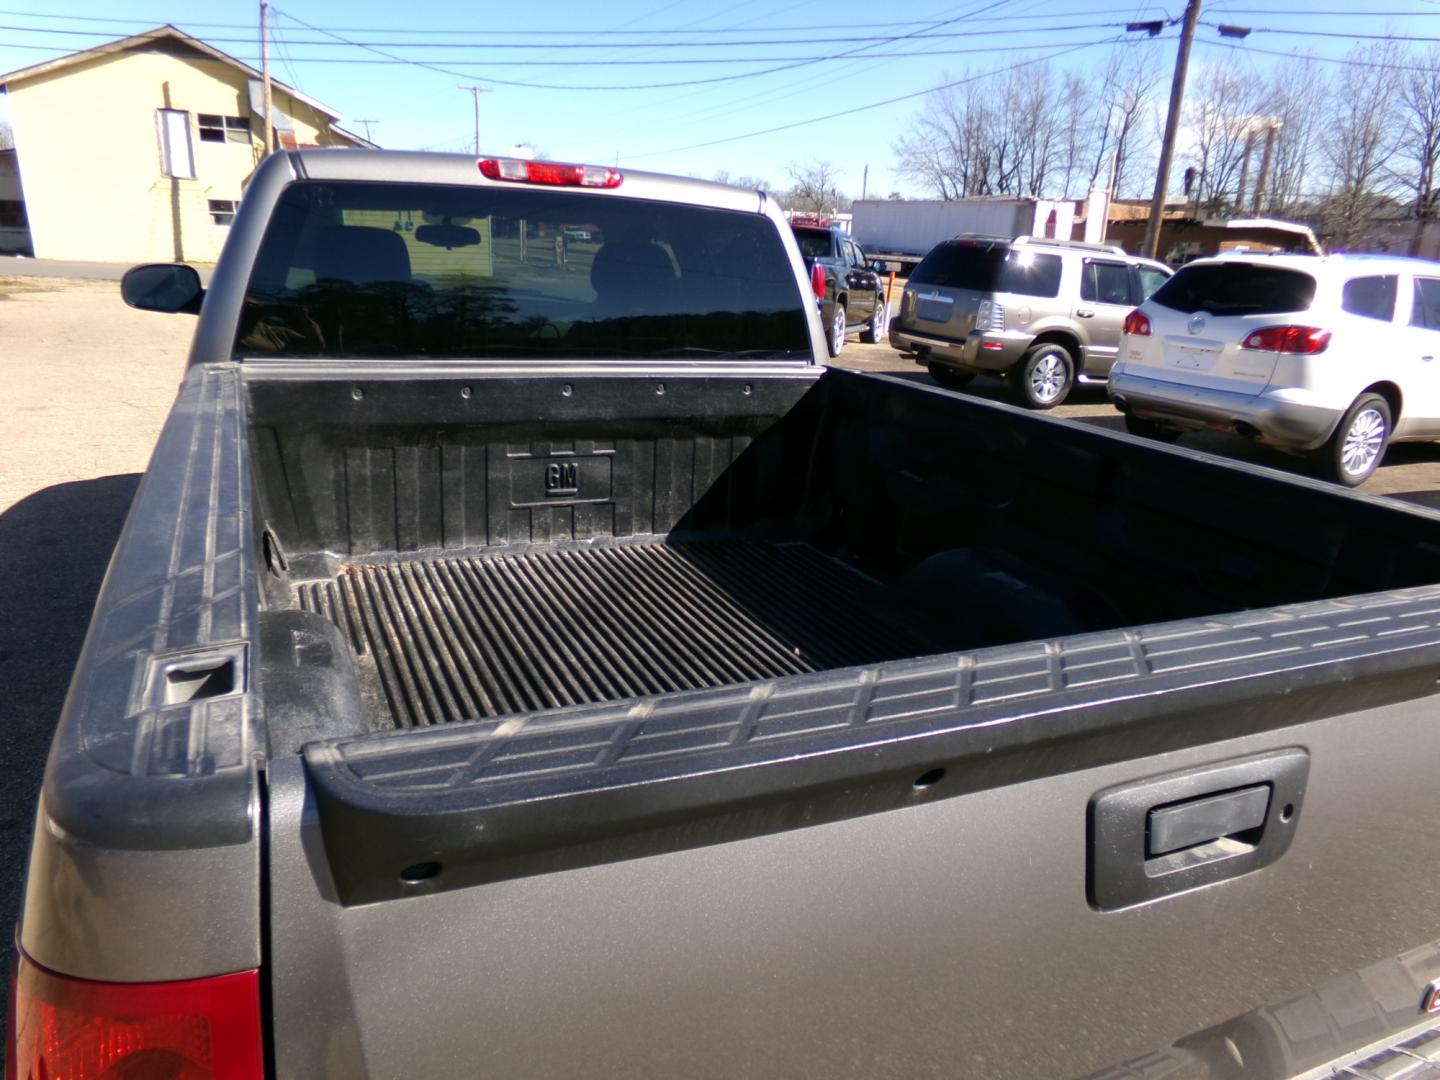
[[464, 638]]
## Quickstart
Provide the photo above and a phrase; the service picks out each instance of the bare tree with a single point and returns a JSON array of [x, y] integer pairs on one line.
[[1032, 131], [1008, 133], [1360, 138], [1126, 100], [1222, 111], [1417, 157], [1295, 99], [946, 149], [813, 187]]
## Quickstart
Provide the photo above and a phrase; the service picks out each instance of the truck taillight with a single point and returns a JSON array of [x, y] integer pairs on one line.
[[1288, 339], [72, 1029], [817, 280], [1137, 324], [550, 172]]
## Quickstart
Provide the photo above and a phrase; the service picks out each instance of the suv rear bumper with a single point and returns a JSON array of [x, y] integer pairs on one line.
[[1283, 418], [989, 350]]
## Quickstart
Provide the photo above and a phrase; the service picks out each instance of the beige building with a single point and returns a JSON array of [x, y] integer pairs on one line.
[[137, 150]]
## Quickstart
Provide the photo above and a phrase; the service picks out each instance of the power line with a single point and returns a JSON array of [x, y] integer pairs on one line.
[[434, 66], [1348, 35], [540, 86], [285, 59], [850, 70], [1310, 13], [887, 101], [878, 40], [809, 27], [1340, 60]]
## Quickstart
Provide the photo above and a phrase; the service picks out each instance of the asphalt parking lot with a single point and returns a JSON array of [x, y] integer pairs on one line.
[[87, 387]]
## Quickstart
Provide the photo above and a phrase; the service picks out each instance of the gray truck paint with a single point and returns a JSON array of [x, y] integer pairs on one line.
[[952, 938]]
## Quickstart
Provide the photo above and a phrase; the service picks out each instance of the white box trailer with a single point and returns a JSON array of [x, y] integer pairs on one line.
[[903, 231]]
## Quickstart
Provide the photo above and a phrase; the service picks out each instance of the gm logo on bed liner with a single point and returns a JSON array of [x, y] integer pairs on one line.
[[562, 478]]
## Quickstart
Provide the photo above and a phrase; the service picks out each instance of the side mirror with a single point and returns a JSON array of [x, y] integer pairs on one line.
[[167, 287]]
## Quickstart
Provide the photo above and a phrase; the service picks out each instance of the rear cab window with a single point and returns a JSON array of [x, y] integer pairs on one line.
[[994, 268], [1235, 288], [350, 269], [1372, 296]]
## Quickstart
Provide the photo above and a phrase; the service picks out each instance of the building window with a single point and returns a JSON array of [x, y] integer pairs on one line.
[[224, 128], [177, 159], [12, 214], [222, 211]]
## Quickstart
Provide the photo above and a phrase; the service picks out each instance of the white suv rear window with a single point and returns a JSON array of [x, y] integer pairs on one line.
[[1237, 289]]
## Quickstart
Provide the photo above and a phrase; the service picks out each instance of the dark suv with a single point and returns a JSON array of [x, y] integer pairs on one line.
[[1041, 313], [854, 297]]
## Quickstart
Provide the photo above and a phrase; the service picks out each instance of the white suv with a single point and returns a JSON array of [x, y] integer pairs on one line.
[[1331, 355]]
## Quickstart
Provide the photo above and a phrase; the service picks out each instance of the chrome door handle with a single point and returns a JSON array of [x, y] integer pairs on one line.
[[1427, 359], [1085, 314]]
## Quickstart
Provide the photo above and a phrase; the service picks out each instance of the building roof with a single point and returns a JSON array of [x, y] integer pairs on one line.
[[166, 33]]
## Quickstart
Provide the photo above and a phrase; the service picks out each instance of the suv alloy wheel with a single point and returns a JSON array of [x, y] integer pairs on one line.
[[1044, 376], [1358, 444]]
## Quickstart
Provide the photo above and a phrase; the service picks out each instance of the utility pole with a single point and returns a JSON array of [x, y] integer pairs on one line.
[[1172, 125], [865, 182], [265, 74], [476, 91]]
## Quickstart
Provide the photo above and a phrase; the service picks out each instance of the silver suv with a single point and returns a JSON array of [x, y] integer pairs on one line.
[[1040, 313]]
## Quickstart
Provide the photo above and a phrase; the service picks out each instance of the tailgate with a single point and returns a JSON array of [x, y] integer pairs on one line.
[[915, 868], [947, 312]]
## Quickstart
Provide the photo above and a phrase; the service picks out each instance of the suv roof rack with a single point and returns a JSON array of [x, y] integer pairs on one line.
[[1078, 245]]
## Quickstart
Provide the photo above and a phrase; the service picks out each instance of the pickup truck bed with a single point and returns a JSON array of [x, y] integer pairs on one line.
[[675, 550]]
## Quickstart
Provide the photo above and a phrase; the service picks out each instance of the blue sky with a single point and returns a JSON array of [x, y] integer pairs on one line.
[[785, 64]]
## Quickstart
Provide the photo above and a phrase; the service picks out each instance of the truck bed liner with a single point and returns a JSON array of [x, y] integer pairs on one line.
[[464, 638]]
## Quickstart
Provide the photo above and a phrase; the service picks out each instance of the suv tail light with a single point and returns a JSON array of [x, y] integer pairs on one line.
[[1288, 339], [1137, 324], [990, 315], [72, 1029], [550, 172], [817, 280]]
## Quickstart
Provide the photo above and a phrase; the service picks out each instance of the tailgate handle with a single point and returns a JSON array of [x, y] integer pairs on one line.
[[1181, 831], [1203, 821]]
